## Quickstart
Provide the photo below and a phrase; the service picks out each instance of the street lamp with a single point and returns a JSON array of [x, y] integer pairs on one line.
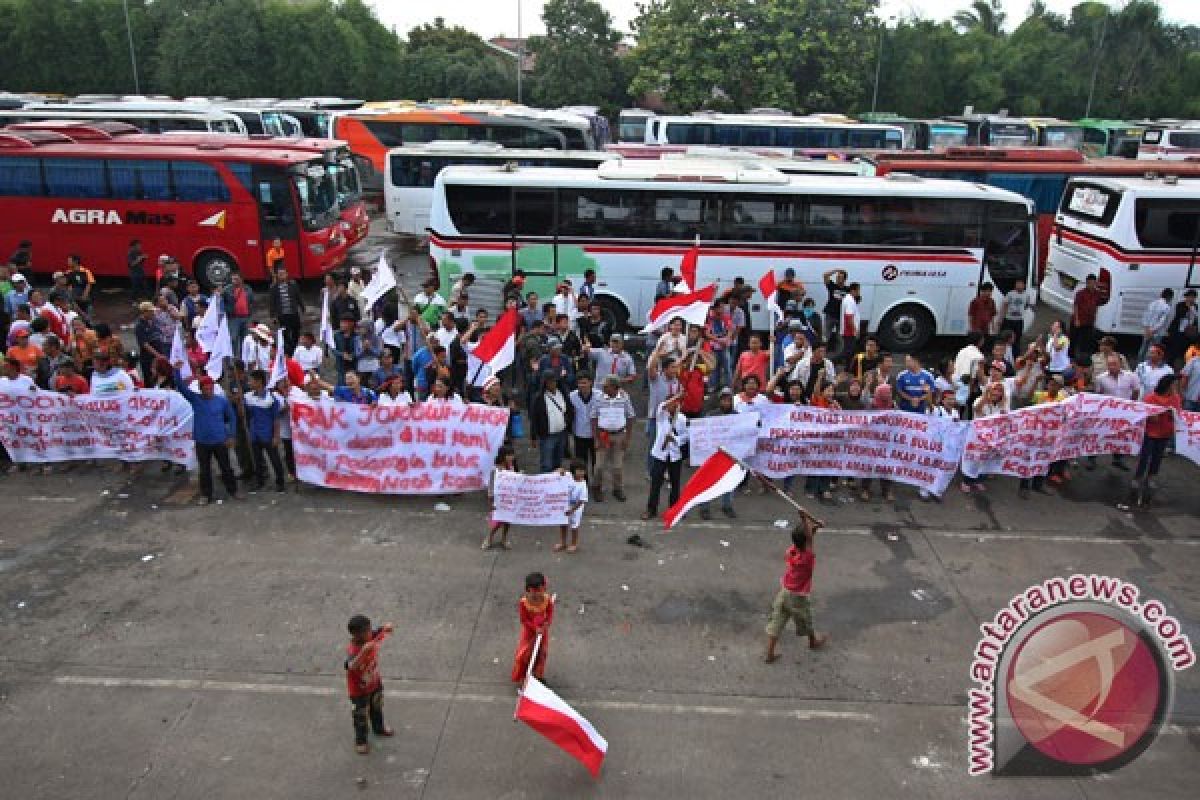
[[137, 88], [879, 62]]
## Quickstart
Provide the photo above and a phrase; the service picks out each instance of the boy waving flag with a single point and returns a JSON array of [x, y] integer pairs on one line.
[[496, 349]]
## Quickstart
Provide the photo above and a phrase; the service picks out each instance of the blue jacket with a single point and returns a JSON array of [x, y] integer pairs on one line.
[[213, 421], [260, 415]]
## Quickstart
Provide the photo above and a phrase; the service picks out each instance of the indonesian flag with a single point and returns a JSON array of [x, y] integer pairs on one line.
[[687, 269], [279, 364], [496, 349], [767, 286], [693, 308], [719, 475], [545, 712]]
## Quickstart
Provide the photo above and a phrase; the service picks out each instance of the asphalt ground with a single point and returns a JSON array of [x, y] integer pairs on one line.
[[151, 648]]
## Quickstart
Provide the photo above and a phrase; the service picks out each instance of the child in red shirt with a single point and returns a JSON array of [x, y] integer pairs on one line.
[[363, 681], [791, 601], [536, 611]]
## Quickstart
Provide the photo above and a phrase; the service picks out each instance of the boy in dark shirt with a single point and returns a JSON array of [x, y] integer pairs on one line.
[[791, 602], [363, 681]]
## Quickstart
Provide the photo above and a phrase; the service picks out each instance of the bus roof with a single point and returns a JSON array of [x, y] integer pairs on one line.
[[895, 186], [50, 143], [1167, 187], [483, 149], [1107, 124], [123, 133], [985, 154]]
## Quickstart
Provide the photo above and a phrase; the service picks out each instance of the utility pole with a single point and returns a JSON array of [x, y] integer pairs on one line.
[[520, 51], [879, 62], [1087, 112], [137, 88]]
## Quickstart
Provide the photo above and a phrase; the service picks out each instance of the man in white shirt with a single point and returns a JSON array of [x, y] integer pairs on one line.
[[308, 353], [13, 380], [751, 397], [1116, 382], [107, 378], [612, 360], [851, 322], [1152, 370], [1155, 321], [429, 303], [666, 456], [256, 349], [814, 360], [1012, 312], [447, 332], [612, 417], [969, 357]]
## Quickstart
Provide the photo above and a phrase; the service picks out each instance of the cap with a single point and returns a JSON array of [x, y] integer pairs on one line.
[[726, 392], [262, 330], [17, 277], [145, 306]]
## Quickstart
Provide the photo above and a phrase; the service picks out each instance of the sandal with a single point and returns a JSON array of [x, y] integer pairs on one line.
[[487, 545], [558, 548], [646, 515], [573, 548], [506, 545]]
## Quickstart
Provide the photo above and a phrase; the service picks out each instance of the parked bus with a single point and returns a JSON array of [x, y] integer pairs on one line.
[[919, 248], [147, 117], [631, 125], [753, 130], [1110, 137], [1170, 143], [339, 162], [1138, 236], [1051, 132], [215, 207], [412, 170], [996, 130], [268, 121], [1039, 174]]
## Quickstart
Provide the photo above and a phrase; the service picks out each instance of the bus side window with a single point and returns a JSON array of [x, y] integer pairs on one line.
[[75, 177], [20, 177]]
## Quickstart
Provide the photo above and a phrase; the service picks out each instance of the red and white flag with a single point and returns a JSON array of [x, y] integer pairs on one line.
[[719, 475], [279, 363], [767, 286], [687, 269], [693, 308], [496, 349], [547, 713]]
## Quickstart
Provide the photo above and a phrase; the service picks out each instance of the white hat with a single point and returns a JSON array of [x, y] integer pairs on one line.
[[16, 276], [262, 330]]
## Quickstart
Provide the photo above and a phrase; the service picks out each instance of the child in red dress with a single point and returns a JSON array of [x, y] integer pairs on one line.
[[363, 681], [536, 610]]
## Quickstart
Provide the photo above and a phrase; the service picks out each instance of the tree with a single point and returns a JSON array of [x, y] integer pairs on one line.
[[453, 62], [576, 61], [986, 16]]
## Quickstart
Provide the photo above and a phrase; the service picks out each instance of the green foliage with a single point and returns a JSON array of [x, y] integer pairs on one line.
[[453, 62], [576, 61]]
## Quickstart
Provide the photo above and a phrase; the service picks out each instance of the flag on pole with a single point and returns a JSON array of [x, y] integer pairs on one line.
[[382, 282], [768, 287], [687, 269], [547, 713], [179, 353], [692, 307], [279, 369], [719, 475], [326, 332], [222, 349], [210, 323], [496, 349]]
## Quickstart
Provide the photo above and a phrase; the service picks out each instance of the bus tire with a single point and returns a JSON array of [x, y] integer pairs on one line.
[[615, 312], [905, 329], [214, 269]]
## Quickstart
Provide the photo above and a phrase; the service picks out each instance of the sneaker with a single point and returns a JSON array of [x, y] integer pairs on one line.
[[619, 494], [729, 512], [362, 749], [705, 514], [203, 501]]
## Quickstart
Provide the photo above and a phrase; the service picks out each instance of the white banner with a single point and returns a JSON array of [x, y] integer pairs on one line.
[[1025, 442], [894, 445], [146, 425], [737, 433], [1187, 435], [426, 448], [531, 499]]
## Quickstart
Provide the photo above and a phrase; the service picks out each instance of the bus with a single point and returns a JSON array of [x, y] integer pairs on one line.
[[268, 121], [919, 248], [1110, 137], [412, 170], [631, 125], [754, 130], [147, 117], [215, 207], [1170, 143], [1138, 236], [1040, 174], [996, 130], [338, 160], [922, 134], [1052, 132]]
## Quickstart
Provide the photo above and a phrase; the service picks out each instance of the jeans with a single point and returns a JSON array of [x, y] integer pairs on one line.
[[264, 451], [722, 374], [551, 451], [1150, 459], [368, 707], [238, 328], [658, 472], [726, 503], [585, 451], [291, 332], [204, 454]]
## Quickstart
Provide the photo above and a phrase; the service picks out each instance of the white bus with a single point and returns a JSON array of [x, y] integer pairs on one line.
[[919, 248], [631, 125], [766, 130], [411, 170], [1138, 236], [1160, 143], [147, 117], [265, 120]]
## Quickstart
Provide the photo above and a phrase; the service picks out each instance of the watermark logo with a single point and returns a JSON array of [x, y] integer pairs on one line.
[[1074, 676]]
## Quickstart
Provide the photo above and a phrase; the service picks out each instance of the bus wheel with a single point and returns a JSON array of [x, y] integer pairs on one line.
[[615, 312], [214, 269], [905, 329]]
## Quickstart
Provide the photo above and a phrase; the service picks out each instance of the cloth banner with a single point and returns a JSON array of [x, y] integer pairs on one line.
[[1187, 435], [738, 433], [531, 499], [894, 445], [1025, 442], [426, 448], [146, 425]]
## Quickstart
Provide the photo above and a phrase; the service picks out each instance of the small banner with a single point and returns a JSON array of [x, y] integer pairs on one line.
[[530, 499], [737, 433], [1187, 435]]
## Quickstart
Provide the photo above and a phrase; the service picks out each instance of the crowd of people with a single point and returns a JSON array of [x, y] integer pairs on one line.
[[575, 391]]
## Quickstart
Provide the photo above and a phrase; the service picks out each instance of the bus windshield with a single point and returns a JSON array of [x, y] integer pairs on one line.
[[345, 177], [318, 196], [947, 137], [1068, 136]]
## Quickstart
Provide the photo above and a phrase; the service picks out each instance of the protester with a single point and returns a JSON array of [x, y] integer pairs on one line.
[[309, 354], [981, 311], [352, 391], [1058, 347], [612, 418], [914, 386], [342, 304], [237, 301], [392, 392], [1086, 304], [1160, 431], [345, 348], [754, 362], [263, 410], [1153, 369], [550, 417], [577, 498], [368, 349], [256, 348], [214, 429], [792, 600], [1012, 312], [666, 454], [363, 681], [135, 261], [852, 324], [583, 443], [1156, 322], [151, 342], [1182, 332], [1190, 375], [612, 360], [1115, 381], [535, 610], [287, 306], [506, 461]]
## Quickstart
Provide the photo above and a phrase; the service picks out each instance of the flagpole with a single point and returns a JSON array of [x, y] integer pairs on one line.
[[767, 482]]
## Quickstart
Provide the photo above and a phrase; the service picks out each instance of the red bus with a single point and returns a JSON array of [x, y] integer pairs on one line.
[[339, 162], [1041, 174], [215, 207]]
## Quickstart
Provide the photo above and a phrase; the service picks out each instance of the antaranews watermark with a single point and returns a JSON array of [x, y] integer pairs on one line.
[[1073, 676]]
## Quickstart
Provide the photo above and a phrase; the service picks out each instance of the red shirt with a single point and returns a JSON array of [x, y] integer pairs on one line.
[[1162, 426], [980, 313], [76, 384], [531, 620], [693, 391], [798, 577], [1086, 302], [364, 679], [751, 363]]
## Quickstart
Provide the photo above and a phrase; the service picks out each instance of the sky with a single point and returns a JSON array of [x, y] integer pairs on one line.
[[491, 18]]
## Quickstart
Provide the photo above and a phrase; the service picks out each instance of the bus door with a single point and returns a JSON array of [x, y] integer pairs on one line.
[[276, 220], [535, 231], [1007, 244]]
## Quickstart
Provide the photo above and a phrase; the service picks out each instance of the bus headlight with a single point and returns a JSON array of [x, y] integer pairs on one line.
[[317, 249]]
